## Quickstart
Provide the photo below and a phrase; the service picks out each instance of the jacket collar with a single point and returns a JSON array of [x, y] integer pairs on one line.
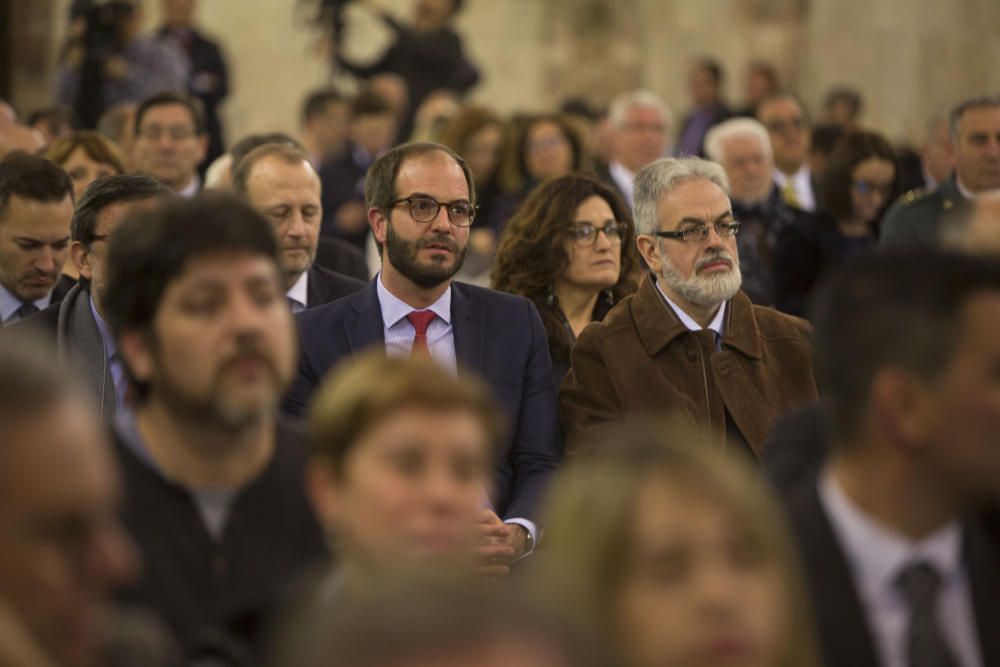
[[657, 325]]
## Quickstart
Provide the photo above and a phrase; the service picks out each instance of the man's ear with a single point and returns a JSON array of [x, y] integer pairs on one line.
[[902, 404], [649, 248], [137, 354], [202, 147], [379, 224], [80, 257], [323, 492]]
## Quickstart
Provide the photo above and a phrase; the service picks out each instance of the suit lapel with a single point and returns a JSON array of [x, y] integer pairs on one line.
[[468, 321], [314, 291], [983, 559], [841, 620], [364, 327]]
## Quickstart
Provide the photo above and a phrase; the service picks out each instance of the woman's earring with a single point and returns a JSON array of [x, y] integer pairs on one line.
[[550, 296], [609, 294]]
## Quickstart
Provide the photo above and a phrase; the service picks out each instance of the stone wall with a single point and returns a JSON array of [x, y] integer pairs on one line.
[[910, 58]]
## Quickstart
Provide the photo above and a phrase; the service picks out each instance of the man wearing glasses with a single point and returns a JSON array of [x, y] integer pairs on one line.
[[76, 325], [788, 127], [689, 344], [421, 202], [170, 141]]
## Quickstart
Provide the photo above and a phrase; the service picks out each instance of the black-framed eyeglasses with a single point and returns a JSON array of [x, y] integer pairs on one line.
[[424, 209], [585, 233], [866, 188], [698, 233]]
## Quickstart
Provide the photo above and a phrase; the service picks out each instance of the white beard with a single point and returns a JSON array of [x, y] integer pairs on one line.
[[705, 291]]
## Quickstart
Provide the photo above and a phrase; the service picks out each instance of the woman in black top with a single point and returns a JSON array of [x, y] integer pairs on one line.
[[570, 248], [861, 180]]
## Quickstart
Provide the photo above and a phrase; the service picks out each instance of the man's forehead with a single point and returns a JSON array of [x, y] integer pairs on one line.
[[270, 174], [225, 268], [980, 119], [783, 107], [115, 212], [167, 113], [742, 144], [694, 199], [30, 215], [430, 172]]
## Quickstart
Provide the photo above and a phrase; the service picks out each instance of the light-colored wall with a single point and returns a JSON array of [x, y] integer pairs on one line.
[[910, 58]]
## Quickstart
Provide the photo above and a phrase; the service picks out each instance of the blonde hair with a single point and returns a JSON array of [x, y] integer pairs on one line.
[[589, 514]]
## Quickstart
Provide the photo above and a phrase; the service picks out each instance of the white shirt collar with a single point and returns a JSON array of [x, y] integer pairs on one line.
[[962, 190], [624, 178], [299, 293], [715, 325], [9, 304], [876, 553], [394, 309], [191, 189]]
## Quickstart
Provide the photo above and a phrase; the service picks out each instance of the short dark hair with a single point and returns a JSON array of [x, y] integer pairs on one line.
[[193, 105], [247, 144], [380, 184], [107, 191], [30, 379], [768, 71], [849, 151], [34, 178], [713, 67], [978, 102], [287, 153], [317, 101], [897, 309], [844, 95], [825, 137], [151, 249], [370, 103]]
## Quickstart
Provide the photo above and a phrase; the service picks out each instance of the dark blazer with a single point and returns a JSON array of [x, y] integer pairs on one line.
[[62, 288], [343, 181], [796, 449], [325, 286], [916, 218], [841, 623], [498, 337], [342, 257]]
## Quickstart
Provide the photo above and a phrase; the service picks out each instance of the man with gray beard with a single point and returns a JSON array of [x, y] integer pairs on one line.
[[689, 344]]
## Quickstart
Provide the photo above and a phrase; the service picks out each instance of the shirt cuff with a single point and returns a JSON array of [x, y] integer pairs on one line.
[[532, 530]]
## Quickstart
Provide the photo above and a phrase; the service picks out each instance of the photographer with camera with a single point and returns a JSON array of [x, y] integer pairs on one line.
[[106, 61]]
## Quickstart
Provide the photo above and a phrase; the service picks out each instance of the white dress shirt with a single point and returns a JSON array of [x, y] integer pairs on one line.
[[399, 334], [624, 178], [298, 295], [877, 555], [191, 189], [715, 325], [802, 182]]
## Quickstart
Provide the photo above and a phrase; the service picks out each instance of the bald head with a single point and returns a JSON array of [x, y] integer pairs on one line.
[[17, 137]]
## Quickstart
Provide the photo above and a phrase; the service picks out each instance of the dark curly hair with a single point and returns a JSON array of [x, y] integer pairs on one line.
[[531, 254]]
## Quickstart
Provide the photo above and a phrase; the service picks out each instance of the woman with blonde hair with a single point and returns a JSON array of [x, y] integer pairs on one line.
[[86, 156], [678, 556]]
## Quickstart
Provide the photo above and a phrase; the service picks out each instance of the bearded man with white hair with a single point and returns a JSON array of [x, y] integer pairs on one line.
[[689, 344]]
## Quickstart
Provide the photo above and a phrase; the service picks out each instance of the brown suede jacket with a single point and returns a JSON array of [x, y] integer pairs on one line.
[[642, 361]]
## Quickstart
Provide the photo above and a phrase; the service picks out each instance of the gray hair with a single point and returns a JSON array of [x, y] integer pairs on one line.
[[980, 102], [637, 98], [659, 178], [734, 127]]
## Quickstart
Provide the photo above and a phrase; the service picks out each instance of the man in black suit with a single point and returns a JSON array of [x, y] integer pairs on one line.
[[420, 204], [902, 567], [209, 77], [76, 326], [279, 181], [36, 206]]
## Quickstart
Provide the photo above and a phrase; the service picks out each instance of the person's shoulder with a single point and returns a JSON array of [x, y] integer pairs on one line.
[[335, 278], [44, 323], [774, 324], [331, 311]]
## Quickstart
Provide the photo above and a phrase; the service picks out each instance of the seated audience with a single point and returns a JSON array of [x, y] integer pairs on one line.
[[570, 248], [77, 326], [214, 493], [421, 202], [785, 119], [689, 341], [641, 124], [445, 621], [860, 182], [63, 551], [278, 181], [36, 207], [675, 556], [539, 147], [170, 141], [743, 148], [376, 419], [901, 565], [86, 156], [915, 220], [372, 131], [704, 83]]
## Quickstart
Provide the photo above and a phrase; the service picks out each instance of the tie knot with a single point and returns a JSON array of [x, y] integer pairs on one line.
[[919, 583], [421, 319], [25, 310]]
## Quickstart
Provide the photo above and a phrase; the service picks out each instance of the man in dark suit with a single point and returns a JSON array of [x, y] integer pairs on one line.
[[36, 206], [902, 567], [209, 78], [76, 326], [420, 199], [707, 108], [279, 181]]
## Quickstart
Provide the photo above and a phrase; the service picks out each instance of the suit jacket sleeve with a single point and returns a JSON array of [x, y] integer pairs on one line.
[[537, 446], [588, 397], [306, 379]]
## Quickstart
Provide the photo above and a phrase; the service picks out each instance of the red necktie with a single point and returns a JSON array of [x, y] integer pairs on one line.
[[420, 319]]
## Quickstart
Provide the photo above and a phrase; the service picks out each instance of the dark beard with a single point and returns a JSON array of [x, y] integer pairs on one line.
[[403, 256]]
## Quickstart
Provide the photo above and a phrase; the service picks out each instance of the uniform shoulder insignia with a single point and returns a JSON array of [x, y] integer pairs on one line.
[[914, 194]]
